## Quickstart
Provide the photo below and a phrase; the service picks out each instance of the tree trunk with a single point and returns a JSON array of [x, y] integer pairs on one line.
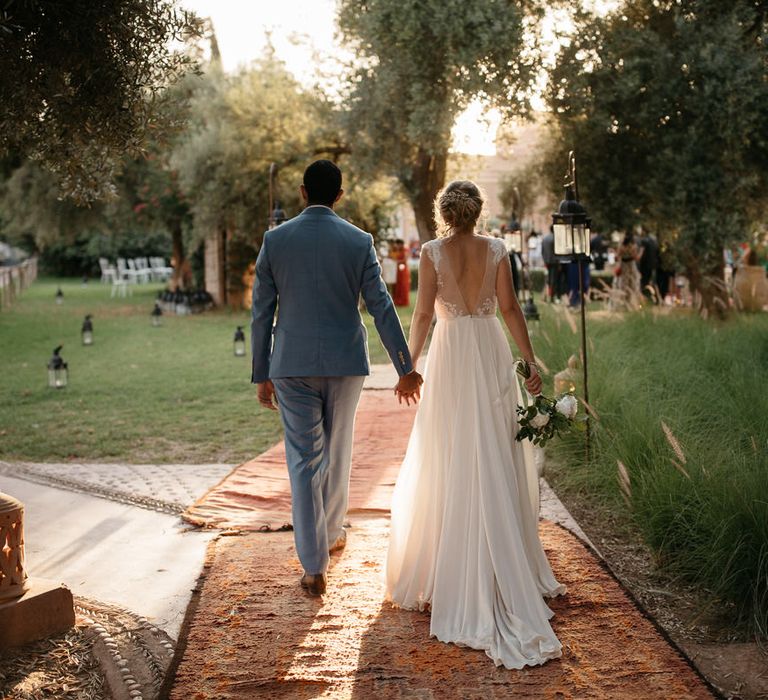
[[182, 272], [427, 176], [706, 276]]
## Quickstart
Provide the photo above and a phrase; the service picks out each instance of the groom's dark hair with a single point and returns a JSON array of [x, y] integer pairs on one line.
[[322, 180]]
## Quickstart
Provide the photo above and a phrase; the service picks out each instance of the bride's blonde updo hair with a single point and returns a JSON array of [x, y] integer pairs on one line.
[[459, 204]]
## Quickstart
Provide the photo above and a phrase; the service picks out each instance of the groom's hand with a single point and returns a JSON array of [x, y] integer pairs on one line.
[[266, 394], [409, 387]]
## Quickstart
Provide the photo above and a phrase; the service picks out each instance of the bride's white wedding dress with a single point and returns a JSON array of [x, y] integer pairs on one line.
[[464, 537]]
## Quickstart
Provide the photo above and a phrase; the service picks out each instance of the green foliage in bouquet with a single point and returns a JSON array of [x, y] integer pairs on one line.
[[546, 417]]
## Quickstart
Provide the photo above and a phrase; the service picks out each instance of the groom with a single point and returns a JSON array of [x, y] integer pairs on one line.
[[315, 267]]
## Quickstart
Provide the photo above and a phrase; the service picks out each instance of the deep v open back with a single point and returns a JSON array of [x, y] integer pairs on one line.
[[453, 299]]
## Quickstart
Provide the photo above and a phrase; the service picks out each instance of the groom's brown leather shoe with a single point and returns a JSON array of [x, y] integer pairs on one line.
[[340, 543], [314, 584]]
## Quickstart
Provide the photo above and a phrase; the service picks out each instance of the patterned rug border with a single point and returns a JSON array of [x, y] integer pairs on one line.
[[181, 644]]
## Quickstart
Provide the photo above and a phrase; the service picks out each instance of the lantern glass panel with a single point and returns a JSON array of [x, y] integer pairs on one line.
[[57, 378], [87, 337], [577, 233], [239, 348], [514, 241], [562, 239]]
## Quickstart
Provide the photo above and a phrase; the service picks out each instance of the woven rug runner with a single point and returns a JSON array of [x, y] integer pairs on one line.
[[257, 493], [252, 633]]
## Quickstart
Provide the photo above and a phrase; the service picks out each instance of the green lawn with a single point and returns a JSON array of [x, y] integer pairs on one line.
[[139, 394]]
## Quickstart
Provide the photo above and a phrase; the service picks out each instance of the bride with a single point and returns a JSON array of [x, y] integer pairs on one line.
[[464, 539]]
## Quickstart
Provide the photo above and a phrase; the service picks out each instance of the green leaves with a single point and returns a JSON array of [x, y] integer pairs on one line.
[[80, 83]]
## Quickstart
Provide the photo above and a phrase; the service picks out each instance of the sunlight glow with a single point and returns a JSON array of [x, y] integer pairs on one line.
[[303, 36]]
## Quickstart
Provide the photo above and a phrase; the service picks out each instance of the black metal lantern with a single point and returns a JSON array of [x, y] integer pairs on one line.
[[57, 370], [572, 230], [86, 332], [514, 241], [570, 225], [59, 296], [157, 315], [531, 312], [239, 344]]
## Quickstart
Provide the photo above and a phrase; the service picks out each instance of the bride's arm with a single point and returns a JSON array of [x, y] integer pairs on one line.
[[513, 317], [425, 307]]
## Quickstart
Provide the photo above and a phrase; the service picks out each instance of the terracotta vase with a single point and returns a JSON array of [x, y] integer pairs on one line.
[[750, 288], [13, 575]]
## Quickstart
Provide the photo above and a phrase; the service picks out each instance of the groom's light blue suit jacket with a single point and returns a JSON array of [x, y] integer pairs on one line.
[[311, 270]]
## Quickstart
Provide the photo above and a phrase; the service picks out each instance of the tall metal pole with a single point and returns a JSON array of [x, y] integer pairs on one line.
[[584, 344], [580, 258], [272, 168]]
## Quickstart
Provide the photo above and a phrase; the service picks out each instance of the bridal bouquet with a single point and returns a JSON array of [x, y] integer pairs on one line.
[[545, 417]]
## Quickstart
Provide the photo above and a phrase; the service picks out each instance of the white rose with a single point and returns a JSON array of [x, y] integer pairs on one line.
[[539, 420], [568, 405]]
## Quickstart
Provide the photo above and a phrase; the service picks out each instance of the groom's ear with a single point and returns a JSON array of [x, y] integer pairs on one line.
[[304, 195], [338, 196]]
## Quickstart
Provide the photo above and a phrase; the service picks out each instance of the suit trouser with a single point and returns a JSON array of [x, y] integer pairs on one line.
[[319, 418]]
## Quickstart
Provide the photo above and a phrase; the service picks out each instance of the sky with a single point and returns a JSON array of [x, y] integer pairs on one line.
[[303, 32]]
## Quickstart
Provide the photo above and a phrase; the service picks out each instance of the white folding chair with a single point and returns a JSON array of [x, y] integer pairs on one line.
[[108, 272], [160, 269], [126, 271]]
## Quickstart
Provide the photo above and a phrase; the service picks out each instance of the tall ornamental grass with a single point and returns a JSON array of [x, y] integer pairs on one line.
[[681, 446]]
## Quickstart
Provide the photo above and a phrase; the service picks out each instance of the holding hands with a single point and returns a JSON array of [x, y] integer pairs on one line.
[[409, 387]]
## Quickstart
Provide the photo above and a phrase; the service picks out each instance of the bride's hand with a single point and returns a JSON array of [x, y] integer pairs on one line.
[[533, 383], [409, 387]]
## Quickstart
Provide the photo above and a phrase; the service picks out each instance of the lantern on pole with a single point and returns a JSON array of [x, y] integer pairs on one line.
[[157, 315], [271, 194], [239, 342], [570, 223], [572, 230], [86, 332], [513, 240], [58, 373], [531, 313]]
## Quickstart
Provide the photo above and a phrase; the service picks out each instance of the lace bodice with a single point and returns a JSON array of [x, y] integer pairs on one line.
[[450, 302]]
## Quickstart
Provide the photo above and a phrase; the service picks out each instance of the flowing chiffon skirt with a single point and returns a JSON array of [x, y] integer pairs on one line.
[[464, 537]]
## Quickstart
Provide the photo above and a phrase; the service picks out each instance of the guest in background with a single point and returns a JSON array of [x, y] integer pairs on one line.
[[552, 264], [389, 268], [626, 272], [750, 286], [574, 298], [402, 295], [648, 263], [534, 251], [598, 250], [665, 272]]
